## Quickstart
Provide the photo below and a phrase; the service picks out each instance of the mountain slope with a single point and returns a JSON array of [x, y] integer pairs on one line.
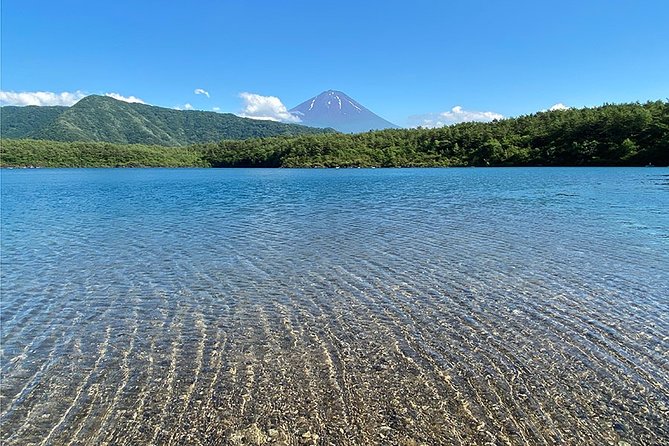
[[101, 118], [28, 121], [335, 109]]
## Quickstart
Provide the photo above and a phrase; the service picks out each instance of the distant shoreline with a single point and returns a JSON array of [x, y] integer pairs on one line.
[[333, 168]]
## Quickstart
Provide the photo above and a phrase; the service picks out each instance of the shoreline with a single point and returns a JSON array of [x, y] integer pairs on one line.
[[333, 168]]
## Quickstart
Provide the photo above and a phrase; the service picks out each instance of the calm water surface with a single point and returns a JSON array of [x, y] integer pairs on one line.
[[405, 306]]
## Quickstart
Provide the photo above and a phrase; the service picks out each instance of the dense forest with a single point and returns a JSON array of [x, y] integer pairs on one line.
[[624, 134], [28, 121], [104, 119], [628, 134], [40, 153]]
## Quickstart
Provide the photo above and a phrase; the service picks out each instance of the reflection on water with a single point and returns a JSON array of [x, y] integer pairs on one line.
[[461, 306]]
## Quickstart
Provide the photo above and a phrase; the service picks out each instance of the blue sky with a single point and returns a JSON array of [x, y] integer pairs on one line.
[[408, 61]]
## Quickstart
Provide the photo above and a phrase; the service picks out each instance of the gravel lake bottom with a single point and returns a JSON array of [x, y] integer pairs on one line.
[[497, 306]]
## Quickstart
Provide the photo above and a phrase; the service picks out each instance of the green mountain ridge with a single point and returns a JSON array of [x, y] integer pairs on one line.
[[104, 119]]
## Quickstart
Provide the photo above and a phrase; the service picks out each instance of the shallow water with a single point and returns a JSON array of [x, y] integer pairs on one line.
[[404, 306]]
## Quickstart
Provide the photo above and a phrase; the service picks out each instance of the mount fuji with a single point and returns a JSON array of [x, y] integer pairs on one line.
[[337, 110]]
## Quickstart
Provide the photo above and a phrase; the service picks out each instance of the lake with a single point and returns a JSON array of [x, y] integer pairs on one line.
[[348, 306]]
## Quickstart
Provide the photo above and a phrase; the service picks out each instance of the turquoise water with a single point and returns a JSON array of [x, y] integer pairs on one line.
[[348, 306]]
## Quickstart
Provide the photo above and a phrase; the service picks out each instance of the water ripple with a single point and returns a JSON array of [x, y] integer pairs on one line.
[[405, 306]]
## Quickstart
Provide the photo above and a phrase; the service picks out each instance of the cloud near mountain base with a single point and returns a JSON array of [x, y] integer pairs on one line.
[[453, 116], [40, 98], [269, 108], [48, 98], [558, 106], [119, 97]]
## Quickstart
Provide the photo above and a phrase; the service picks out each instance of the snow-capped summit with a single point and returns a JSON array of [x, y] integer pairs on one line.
[[337, 110]]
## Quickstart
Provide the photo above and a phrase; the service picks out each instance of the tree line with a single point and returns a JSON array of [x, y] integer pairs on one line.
[[611, 135]]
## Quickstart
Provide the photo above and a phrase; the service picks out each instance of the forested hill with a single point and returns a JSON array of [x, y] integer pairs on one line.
[[611, 135], [28, 121], [625, 134], [104, 119]]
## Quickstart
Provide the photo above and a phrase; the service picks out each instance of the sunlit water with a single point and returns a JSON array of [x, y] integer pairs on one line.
[[405, 306]]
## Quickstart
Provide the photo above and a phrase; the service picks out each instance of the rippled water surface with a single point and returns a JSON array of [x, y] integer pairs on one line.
[[405, 306]]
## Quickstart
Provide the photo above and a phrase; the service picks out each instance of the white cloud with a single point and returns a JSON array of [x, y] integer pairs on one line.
[[44, 98], [125, 98], [201, 91], [186, 106], [453, 116], [216, 109], [558, 106], [265, 107], [41, 98]]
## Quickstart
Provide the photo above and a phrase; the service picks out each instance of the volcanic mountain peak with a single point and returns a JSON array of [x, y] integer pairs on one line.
[[337, 100], [337, 110]]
